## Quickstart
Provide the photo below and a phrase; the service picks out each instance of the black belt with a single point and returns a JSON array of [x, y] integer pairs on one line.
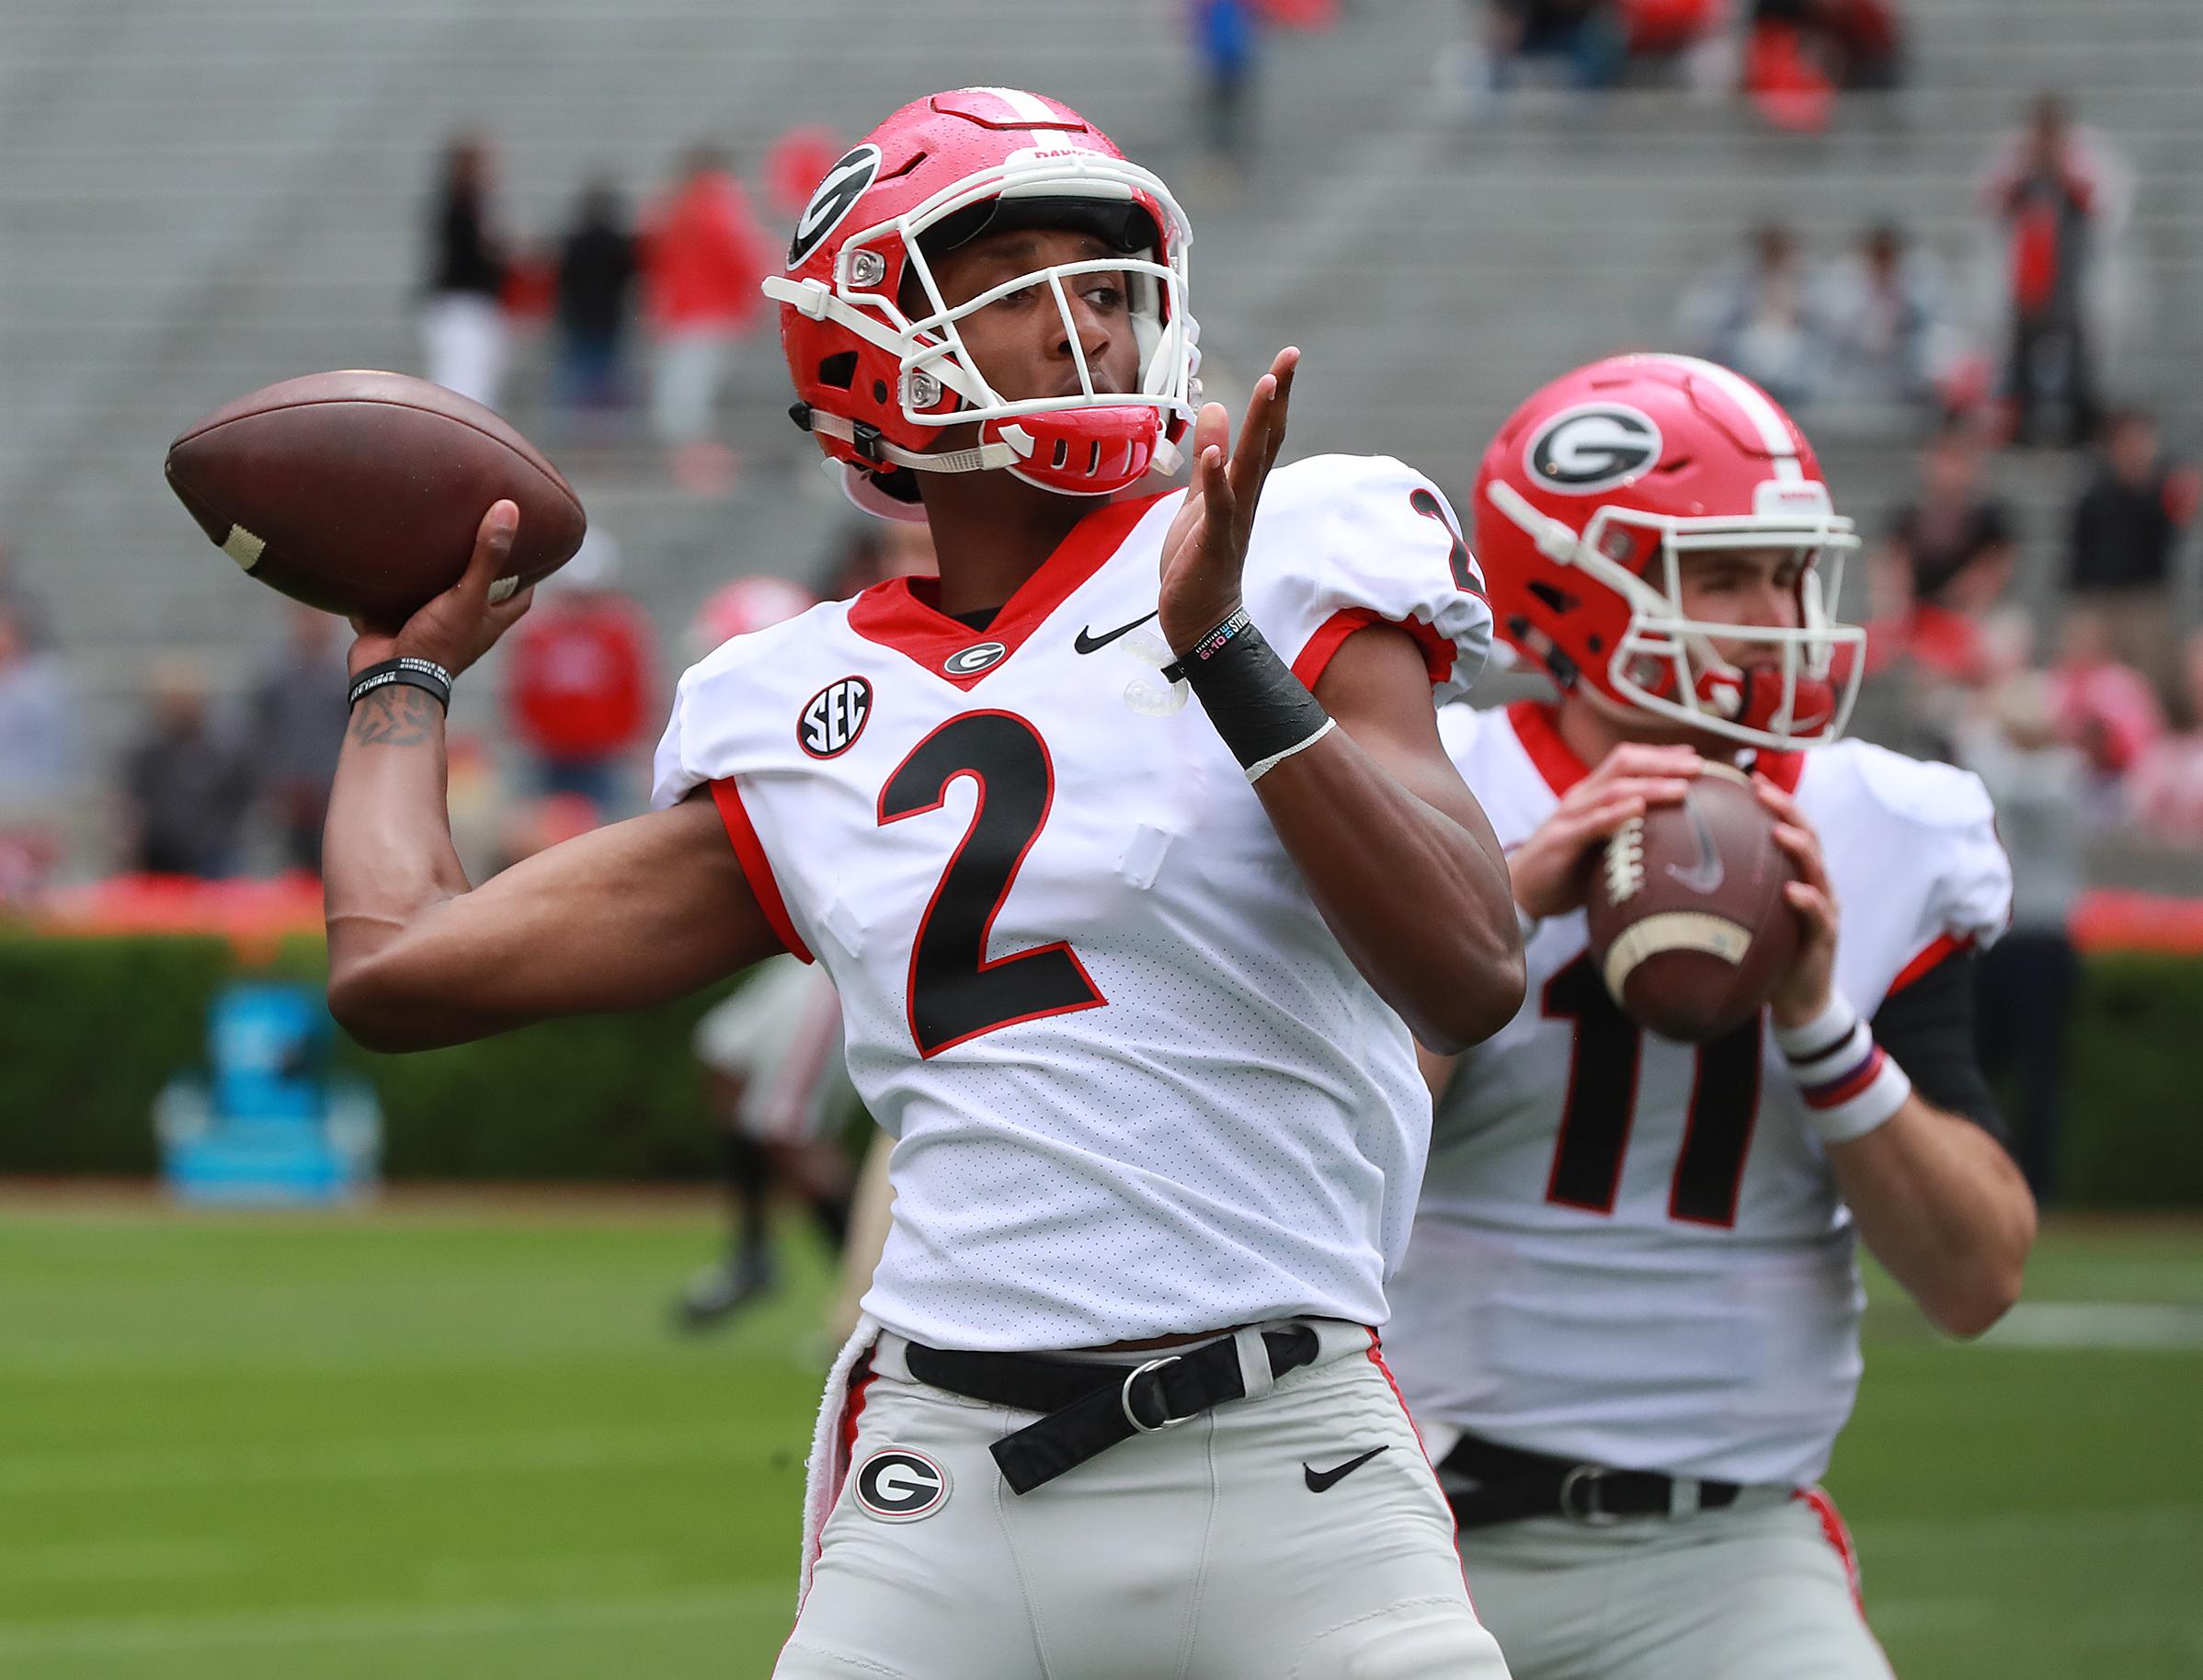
[[1090, 1408], [1511, 1483]]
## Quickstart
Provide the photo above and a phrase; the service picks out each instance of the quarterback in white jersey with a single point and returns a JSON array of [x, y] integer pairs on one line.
[[1628, 1321], [1132, 849]]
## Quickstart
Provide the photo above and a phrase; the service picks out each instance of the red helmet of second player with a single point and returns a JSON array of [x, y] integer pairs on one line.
[[1586, 501], [874, 348]]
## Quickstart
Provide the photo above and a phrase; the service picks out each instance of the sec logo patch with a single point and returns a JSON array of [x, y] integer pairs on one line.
[[898, 1485], [833, 718]]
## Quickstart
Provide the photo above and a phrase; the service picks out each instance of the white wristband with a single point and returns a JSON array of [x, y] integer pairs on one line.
[[1849, 1083]]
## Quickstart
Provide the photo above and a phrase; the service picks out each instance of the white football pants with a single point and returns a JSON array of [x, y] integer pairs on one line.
[[1200, 1553], [1762, 1591]]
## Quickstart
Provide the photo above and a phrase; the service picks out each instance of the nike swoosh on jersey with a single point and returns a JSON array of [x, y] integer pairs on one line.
[[1320, 1481], [1086, 642], [1707, 874]]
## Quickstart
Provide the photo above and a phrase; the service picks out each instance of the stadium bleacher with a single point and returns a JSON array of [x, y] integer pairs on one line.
[[207, 195]]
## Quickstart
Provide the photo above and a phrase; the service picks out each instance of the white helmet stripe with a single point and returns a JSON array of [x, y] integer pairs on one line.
[[1029, 106], [1761, 413]]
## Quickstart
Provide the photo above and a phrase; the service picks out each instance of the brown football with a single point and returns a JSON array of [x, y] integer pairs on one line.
[[1688, 924], [360, 492]]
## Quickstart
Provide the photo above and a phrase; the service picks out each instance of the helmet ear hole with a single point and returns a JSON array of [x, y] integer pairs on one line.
[[838, 371]]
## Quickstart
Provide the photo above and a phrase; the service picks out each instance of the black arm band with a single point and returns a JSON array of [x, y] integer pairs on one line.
[[1263, 712], [424, 674], [1927, 1029]]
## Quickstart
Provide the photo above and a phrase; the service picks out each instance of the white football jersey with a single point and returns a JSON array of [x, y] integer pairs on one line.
[[1135, 1087], [1631, 1251]]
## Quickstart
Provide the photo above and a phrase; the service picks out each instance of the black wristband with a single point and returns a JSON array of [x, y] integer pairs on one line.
[[1263, 712], [424, 674]]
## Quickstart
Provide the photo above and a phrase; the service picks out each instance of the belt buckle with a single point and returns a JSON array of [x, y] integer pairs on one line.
[[1125, 1398], [1588, 1477]]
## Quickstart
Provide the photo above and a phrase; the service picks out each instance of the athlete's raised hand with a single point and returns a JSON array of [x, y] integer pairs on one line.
[[1205, 551], [456, 628], [1548, 869]]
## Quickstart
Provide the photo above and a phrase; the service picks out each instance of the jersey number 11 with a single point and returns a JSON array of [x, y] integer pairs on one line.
[[1602, 1104]]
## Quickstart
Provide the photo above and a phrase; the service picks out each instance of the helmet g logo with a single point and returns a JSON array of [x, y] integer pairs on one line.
[[897, 1485], [1591, 447], [837, 195]]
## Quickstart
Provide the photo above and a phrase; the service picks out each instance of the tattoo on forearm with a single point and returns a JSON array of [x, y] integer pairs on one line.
[[395, 716]]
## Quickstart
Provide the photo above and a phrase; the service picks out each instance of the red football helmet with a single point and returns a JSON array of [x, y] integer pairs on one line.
[[1585, 501], [877, 384]]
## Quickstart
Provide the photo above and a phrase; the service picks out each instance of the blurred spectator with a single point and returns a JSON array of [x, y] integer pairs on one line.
[[1587, 39], [2127, 526], [579, 679], [1692, 34], [188, 784], [1956, 540], [739, 607], [1224, 44], [298, 722], [703, 255], [876, 551], [1798, 53], [1851, 44], [2026, 979], [2108, 709], [1758, 314], [2058, 195], [2165, 791], [462, 318], [596, 277], [1891, 335], [26, 612], [794, 166], [38, 758]]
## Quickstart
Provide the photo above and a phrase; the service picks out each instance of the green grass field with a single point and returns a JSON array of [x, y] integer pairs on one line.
[[460, 1441]]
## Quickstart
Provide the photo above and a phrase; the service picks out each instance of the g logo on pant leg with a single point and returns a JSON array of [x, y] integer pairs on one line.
[[897, 1485]]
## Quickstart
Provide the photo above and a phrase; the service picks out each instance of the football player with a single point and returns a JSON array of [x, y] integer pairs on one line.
[[1629, 1321], [1132, 849], [774, 1075]]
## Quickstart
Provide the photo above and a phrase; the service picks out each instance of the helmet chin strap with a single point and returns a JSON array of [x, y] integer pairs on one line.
[[982, 458]]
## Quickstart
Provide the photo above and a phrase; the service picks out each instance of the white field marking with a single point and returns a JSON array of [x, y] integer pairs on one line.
[[2099, 1633], [120, 1635], [440, 1456], [2126, 1325], [2036, 1531]]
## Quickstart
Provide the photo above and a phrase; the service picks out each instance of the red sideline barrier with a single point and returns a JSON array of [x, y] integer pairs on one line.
[[2111, 919], [254, 916], [257, 915]]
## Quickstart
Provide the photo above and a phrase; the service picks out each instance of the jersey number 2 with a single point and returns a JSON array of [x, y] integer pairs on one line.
[[1601, 1102], [955, 992]]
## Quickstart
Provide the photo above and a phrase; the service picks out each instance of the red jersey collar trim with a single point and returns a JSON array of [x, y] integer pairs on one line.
[[1537, 727], [893, 616]]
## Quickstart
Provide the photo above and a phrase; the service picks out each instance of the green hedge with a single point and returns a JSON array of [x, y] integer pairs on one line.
[[91, 1028], [2134, 1098]]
